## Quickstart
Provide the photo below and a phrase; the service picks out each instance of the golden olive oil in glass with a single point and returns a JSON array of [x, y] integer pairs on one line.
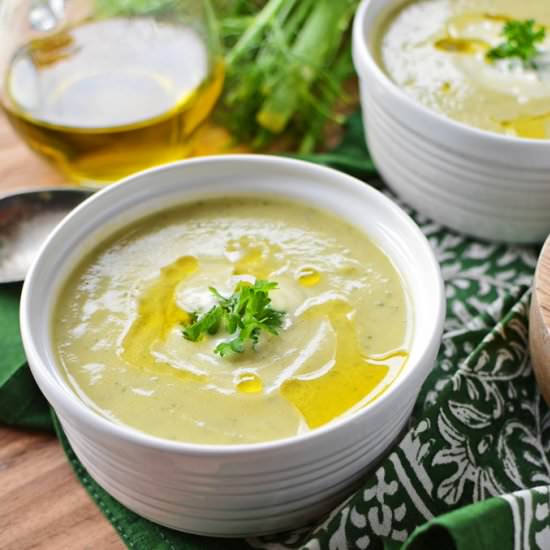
[[107, 98]]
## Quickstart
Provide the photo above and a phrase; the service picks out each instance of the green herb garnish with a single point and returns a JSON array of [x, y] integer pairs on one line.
[[245, 313], [521, 40]]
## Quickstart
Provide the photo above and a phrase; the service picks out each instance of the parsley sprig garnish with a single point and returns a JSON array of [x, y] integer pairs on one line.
[[245, 313], [521, 40]]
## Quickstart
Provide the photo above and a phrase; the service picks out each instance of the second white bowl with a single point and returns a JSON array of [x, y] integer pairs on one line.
[[487, 185]]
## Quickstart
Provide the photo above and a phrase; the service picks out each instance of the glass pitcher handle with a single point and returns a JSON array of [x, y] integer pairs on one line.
[[46, 15]]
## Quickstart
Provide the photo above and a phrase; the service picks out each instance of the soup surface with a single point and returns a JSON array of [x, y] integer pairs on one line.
[[118, 324], [436, 50]]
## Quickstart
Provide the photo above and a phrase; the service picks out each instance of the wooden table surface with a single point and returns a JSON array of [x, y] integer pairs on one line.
[[42, 504]]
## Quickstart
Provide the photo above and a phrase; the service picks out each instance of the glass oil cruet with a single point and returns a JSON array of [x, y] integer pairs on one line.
[[105, 88]]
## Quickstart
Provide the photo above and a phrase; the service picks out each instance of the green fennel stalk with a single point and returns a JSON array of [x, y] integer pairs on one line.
[[285, 73], [314, 46]]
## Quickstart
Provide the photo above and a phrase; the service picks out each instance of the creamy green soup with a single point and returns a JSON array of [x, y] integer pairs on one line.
[[436, 50], [117, 327]]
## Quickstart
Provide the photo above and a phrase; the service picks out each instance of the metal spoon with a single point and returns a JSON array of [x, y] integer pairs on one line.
[[26, 220]]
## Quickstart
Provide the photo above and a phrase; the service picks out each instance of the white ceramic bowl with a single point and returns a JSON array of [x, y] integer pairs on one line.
[[484, 184], [247, 489]]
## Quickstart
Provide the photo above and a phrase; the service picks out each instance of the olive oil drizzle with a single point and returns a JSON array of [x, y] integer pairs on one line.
[[533, 127], [308, 277], [157, 314], [352, 378], [461, 45]]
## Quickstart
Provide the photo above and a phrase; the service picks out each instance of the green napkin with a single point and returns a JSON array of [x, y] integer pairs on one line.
[[21, 403], [473, 470]]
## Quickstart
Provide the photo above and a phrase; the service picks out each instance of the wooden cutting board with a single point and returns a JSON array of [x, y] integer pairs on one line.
[[539, 322], [42, 504]]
